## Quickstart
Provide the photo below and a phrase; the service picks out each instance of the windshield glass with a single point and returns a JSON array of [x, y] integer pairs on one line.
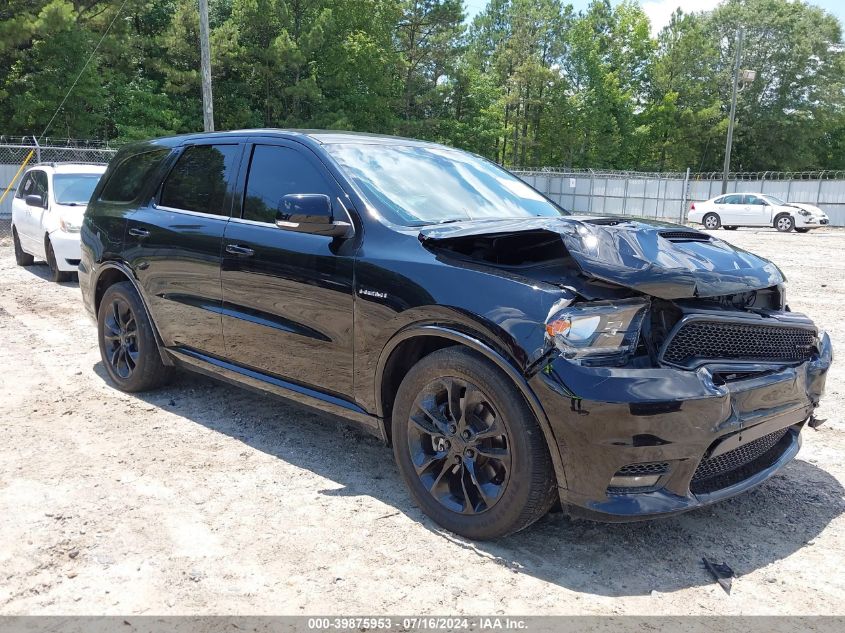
[[74, 188], [414, 186], [773, 200]]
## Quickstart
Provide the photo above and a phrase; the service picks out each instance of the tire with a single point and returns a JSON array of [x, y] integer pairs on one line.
[[128, 346], [730, 228], [802, 230], [784, 223], [711, 221], [55, 274], [505, 479], [22, 258]]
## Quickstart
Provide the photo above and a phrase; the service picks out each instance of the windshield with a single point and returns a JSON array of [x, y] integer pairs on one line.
[[414, 186], [74, 188], [772, 200]]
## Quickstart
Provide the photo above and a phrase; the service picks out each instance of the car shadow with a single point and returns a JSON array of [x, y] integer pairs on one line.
[[748, 532], [42, 271]]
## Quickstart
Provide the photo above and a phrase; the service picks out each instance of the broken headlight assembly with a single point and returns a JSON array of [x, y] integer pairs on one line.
[[597, 333]]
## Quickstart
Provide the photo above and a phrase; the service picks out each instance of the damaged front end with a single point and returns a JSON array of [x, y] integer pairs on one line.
[[670, 365]]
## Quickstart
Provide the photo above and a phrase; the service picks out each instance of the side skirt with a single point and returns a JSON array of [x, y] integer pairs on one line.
[[257, 381]]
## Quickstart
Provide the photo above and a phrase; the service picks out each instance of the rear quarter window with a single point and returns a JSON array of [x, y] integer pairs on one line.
[[131, 174]]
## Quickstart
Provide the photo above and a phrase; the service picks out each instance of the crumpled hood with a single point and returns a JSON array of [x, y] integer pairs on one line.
[[663, 260]]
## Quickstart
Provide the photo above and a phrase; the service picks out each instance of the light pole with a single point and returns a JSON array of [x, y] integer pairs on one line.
[[739, 35], [205, 64], [745, 77]]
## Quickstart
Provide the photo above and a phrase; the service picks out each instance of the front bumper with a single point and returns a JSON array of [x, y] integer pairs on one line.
[[605, 419], [811, 222], [67, 250]]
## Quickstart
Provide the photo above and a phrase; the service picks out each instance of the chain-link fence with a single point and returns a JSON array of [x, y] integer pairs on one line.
[[663, 195], [14, 151], [668, 195]]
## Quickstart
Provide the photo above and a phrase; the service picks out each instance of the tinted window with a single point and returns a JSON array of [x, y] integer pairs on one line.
[[199, 179], [74, 188], [25, 188], [130, 176], [735, 199], [274, 172], [754, 200]]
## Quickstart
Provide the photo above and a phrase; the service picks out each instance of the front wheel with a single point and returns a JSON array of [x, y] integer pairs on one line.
[[127, 344], [468, 447], [711, 221], [784, 223], [55, 274]]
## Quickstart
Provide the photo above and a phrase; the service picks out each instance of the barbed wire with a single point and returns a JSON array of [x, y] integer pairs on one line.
[[825, 174]]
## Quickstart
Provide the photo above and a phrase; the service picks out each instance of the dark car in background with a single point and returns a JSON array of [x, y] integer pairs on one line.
[[513, 355]]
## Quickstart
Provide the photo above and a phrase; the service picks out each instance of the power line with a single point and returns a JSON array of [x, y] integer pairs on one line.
[[90, 57]]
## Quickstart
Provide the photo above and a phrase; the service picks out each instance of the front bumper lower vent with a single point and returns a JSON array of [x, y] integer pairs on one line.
[[702, 340], [728, 468]]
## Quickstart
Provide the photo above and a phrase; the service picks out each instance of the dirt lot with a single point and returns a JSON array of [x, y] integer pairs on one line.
[[203, 498]]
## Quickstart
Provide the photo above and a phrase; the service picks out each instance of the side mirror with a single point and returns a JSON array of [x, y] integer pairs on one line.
[[310, 213], [35, 200]]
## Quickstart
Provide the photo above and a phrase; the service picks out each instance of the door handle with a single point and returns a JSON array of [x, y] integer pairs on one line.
[[237, 249], [134, 232]]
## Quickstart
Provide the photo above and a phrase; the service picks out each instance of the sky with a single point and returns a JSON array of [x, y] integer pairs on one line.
[[659, 11]]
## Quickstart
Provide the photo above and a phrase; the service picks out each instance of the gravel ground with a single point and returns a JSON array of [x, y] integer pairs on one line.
[[203, 498]]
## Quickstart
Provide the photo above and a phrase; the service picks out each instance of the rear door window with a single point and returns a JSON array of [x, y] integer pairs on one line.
[[129, 177], [734, 199], [200, 179], [274, 172]]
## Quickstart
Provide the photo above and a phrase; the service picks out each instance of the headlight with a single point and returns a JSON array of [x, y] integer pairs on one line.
[[804, 212], [597, 331], [69, 227]]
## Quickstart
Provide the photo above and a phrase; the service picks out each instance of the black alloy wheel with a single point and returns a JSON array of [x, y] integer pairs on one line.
[[459, 446], [120, 333], [128, 346], [469, 448]]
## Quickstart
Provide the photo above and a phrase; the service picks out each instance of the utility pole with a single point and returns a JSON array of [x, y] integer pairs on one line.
[[739, 36], [205, 62]]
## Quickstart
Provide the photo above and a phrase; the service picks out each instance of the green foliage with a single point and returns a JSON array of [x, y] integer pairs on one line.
[[527, 82]]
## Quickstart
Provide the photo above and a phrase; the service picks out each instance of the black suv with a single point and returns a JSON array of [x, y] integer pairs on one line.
[[513, 354]]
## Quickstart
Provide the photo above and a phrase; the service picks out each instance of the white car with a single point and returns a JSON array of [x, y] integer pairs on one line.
[[756, 209], [47, 214]]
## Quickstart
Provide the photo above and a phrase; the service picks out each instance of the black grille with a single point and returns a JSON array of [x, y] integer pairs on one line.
[[685, 236], [634, 470], [734, 466], [706, 340]]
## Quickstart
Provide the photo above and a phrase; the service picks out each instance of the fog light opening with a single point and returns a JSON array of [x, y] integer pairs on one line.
[[634, 481]]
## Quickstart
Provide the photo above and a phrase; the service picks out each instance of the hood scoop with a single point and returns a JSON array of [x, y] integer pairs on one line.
[[648, 256], [685, 236]]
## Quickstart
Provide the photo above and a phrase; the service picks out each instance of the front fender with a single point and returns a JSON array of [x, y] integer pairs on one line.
[[477, 344]]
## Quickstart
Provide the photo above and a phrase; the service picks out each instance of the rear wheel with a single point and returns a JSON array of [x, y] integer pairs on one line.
[[468, 447], [784, 223], [127, 343], [711, 221], [22, 258], [55, 274]]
